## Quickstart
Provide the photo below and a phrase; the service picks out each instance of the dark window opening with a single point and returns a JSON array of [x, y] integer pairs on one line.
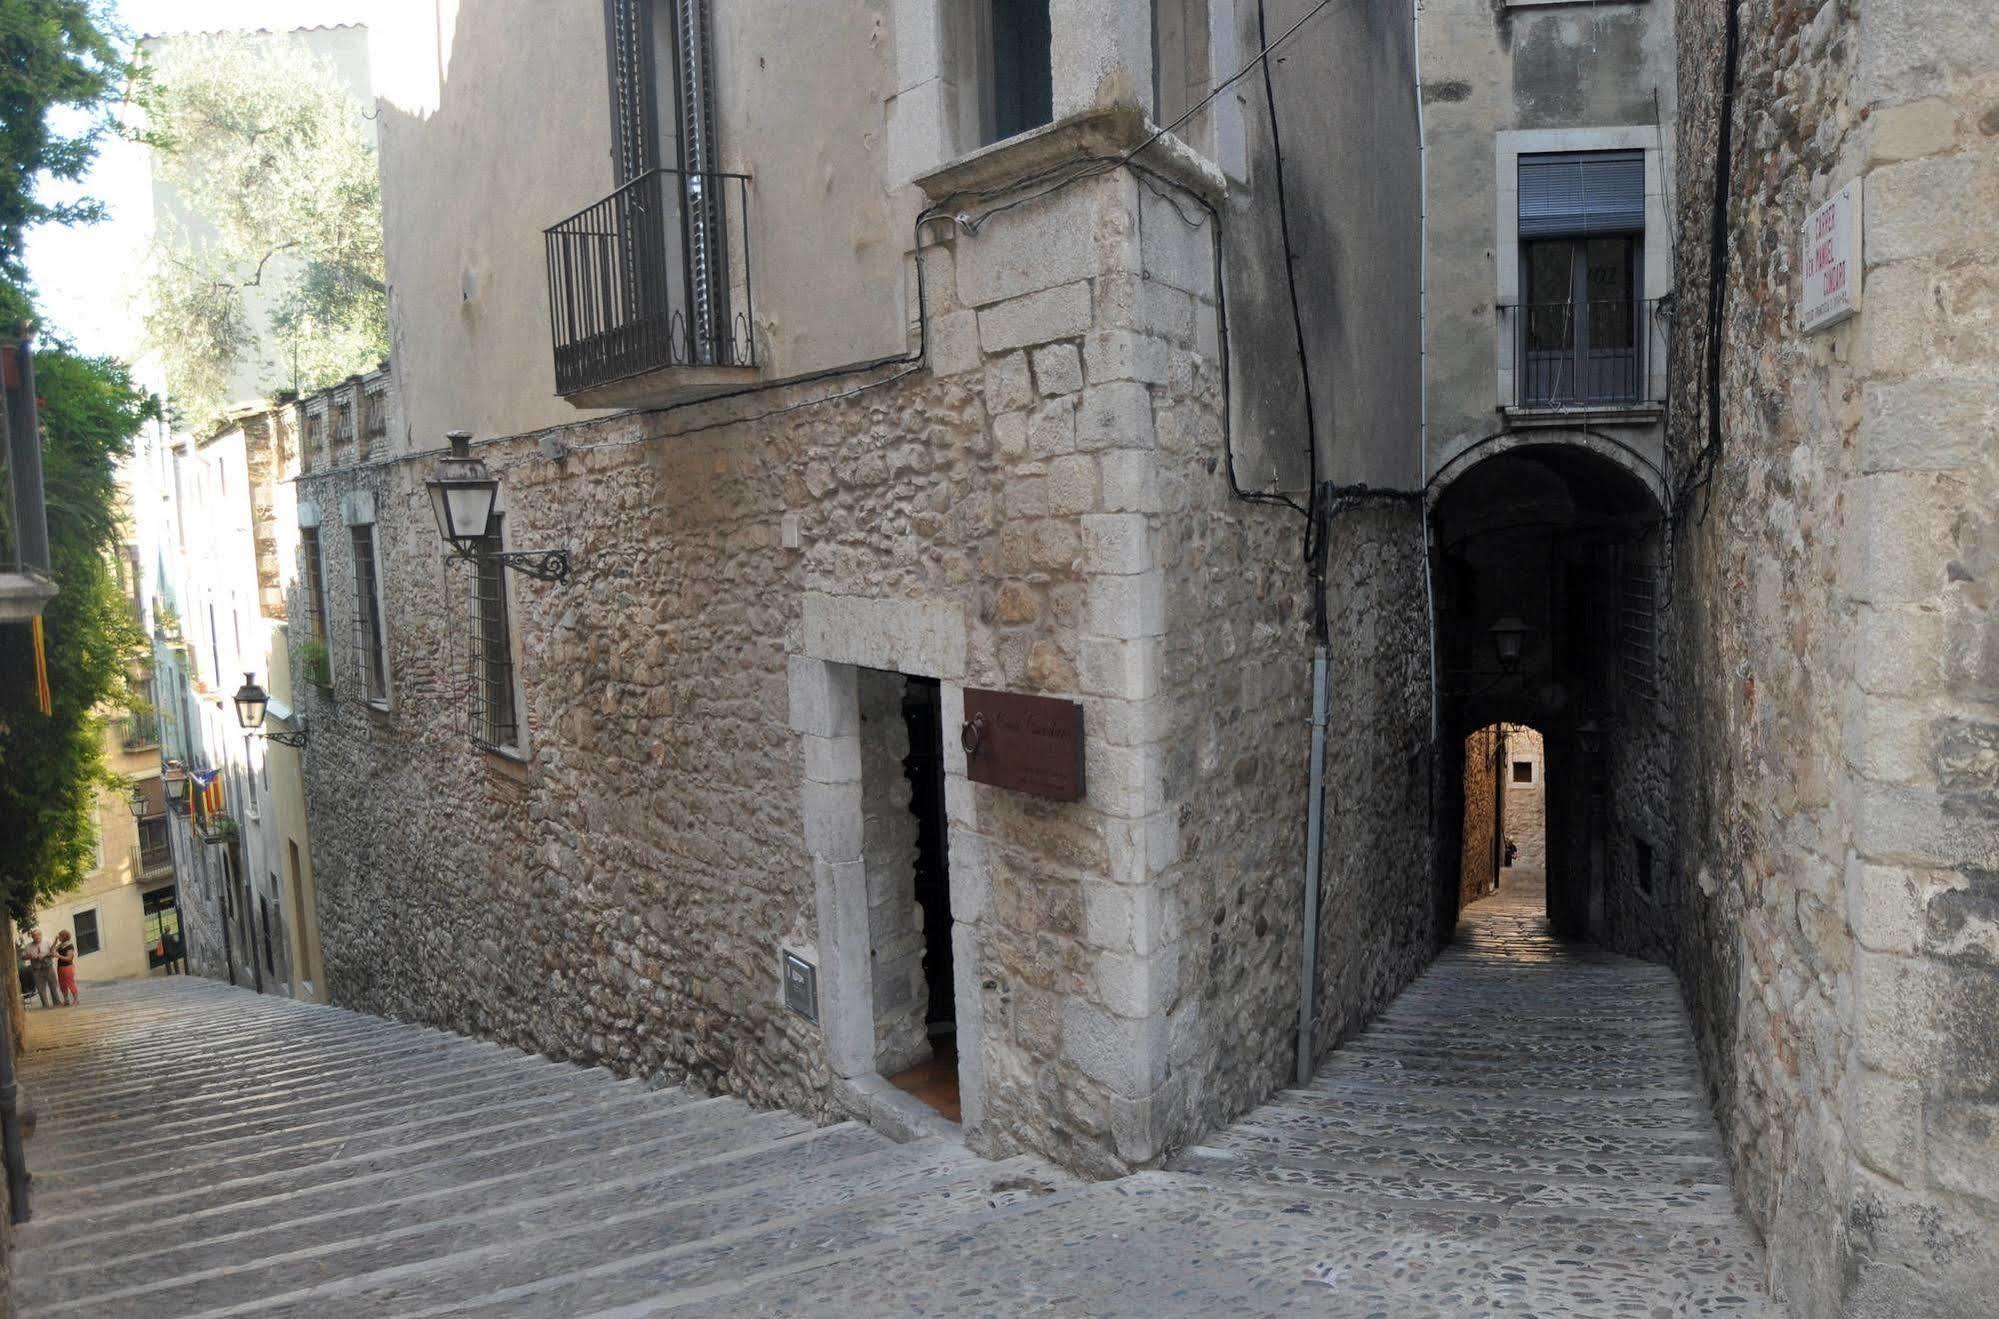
[[934, 1079], [87, 940], [1643, 850], [1023, 84], [494, 720], [1523, 771], [368, 616], [162, 927], [1582, 322], [264, 919], [315, 582]]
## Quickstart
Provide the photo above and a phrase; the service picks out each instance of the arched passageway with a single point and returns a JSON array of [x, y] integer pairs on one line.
[[1547, 564]]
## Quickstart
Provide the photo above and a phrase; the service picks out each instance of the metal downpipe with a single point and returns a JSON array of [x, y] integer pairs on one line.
[[1315, 838]]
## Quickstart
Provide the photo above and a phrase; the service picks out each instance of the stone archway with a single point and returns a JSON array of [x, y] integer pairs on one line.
[[1559, 544]]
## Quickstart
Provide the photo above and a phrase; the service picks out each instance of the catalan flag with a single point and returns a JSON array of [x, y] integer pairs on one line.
[[204, 789]]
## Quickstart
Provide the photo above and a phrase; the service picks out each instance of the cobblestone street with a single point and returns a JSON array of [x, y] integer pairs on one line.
[[1522, 1132]]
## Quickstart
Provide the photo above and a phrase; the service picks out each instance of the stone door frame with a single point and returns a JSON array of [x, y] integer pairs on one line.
[[840, 635]]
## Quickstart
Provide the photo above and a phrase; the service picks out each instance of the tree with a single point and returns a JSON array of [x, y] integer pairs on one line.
[[54, 55], [278, 243], [51, 766]]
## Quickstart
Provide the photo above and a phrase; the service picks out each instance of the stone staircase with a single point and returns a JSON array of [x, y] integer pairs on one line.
[[203, 1151], [1522, 1132]]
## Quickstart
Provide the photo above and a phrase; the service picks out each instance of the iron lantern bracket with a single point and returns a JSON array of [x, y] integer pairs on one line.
[[542, 565], [295, 740]]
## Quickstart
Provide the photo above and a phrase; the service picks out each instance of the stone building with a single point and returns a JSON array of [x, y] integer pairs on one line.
[[899, 376], [1827, 889]]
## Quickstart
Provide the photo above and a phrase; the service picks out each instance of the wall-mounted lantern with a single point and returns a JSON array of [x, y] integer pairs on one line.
[[252, 702], [1590, 734], [141, 808], [1509, 634], [463, 494]]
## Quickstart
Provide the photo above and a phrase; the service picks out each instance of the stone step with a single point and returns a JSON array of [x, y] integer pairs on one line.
[[1426, 1152], [304, 1253], [727, 1236], [1447, 1088], [496, 1082], [1523, 1048], [627, 1113], [1632, 1200], [1414, 1103], [1495, 1075], [1237, 1250], [252, 1036], [470, 1169], [738, 1271], [1559, 1135]]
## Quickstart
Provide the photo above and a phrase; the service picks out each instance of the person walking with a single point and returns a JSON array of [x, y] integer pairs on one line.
[[66, 968], [42, 957]]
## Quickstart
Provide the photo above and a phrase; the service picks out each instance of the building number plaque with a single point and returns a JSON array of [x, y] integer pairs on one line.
[[801, 986]]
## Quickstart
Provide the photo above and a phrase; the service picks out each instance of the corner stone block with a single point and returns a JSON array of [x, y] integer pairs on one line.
[[1115, 415], [1125, 1054], [1927, 425], [954, 343], [1903, 825], [1111, 355], [1131, 480], [832, 819], [1886, 907], [1898, 652], [1142, 1128], [1129, 606], [1116, 543], [823, 699], [1126, 782], [971, 876], [1137, 985], [1072, 485], [1025, 250], [1008, 385], [846, 997], [1126, 669], [1058, 313], [1058, 369]]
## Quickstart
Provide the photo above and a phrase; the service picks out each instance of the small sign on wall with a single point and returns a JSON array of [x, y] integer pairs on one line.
[[1832, 261], [1027, 743], [801, 986]]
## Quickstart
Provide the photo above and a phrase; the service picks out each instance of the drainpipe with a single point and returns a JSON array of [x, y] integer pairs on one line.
[[1423, 426], [1315, 838]]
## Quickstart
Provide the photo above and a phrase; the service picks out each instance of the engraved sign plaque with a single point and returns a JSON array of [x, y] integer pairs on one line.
[[801, 986], [1027, 743]]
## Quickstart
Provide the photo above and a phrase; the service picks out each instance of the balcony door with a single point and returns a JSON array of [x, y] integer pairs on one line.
[[1582, 321]]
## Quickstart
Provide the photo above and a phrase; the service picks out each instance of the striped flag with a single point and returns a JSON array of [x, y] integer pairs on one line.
[[205, 791]]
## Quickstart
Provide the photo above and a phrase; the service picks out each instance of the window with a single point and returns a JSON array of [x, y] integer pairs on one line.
[[162, 929], [1180, 75], [1643, 859], [85, 923], [368, 617], [315, 435], [154, 852], [264, 918], [1020, 86], [1523, 771], [1582, 317], [494, 720], [314, 573]]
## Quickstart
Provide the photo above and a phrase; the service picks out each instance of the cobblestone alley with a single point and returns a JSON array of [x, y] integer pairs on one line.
[[1522, 1132]]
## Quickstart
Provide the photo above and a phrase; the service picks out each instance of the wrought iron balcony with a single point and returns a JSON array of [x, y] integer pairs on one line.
[[649, 292], [1585, 355]]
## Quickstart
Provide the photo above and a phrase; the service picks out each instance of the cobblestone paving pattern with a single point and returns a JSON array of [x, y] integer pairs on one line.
[[1523, 1133]]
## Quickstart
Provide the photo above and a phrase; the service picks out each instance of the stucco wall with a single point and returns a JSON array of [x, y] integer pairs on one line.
[[1838, 838], [1492, 68], [1527, 803], [1478, 868]]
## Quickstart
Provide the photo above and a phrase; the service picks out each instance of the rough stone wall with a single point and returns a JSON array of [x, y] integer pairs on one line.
[[1837, 832], [1477, 871], [1526, 803], [888, 847], [1379, 923]]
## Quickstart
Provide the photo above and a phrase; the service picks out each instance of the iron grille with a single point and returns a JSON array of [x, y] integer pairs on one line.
[[1638, 625], [368, 617], [374, 415], [494, 718], [1584, 353], [343, 422], [315, 435], [315, 581], [626, 292]]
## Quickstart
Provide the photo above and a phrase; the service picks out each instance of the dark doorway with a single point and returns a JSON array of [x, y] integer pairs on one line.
[[935, 1079]]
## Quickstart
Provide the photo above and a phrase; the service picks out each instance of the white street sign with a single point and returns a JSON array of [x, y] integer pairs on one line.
[[1832, 261]]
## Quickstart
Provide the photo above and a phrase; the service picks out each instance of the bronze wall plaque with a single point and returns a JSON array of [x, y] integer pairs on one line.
[[1027, 743]]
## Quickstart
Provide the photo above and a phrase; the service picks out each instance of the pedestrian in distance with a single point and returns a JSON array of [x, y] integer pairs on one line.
[[42, 957], [66, 968]]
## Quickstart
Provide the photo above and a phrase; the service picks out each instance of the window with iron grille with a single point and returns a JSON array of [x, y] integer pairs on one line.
[[368, 617], [315, 582], [343, 422], [494, 719], [87, 938], [315, 435], [375, 414], [1638, 625]]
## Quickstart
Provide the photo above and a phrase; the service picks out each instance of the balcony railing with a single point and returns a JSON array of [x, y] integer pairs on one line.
[[155, 853], [140, 729], [654, 276], [1586, 354]]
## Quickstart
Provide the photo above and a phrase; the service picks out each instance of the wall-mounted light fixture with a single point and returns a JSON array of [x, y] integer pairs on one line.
[[252, 702], [141, 808], [1508, 636], [462, 495]]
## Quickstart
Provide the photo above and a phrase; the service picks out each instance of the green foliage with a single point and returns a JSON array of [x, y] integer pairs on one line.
[[51, 766], [280, 242], [317, 663], [54, 55]]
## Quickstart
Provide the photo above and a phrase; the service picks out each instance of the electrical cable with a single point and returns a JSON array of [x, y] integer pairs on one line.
[[1702, 470]]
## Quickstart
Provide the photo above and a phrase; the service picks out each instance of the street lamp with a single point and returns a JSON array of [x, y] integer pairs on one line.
[[463, 494], [252, 702], [141, 808], [1508, 635]]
